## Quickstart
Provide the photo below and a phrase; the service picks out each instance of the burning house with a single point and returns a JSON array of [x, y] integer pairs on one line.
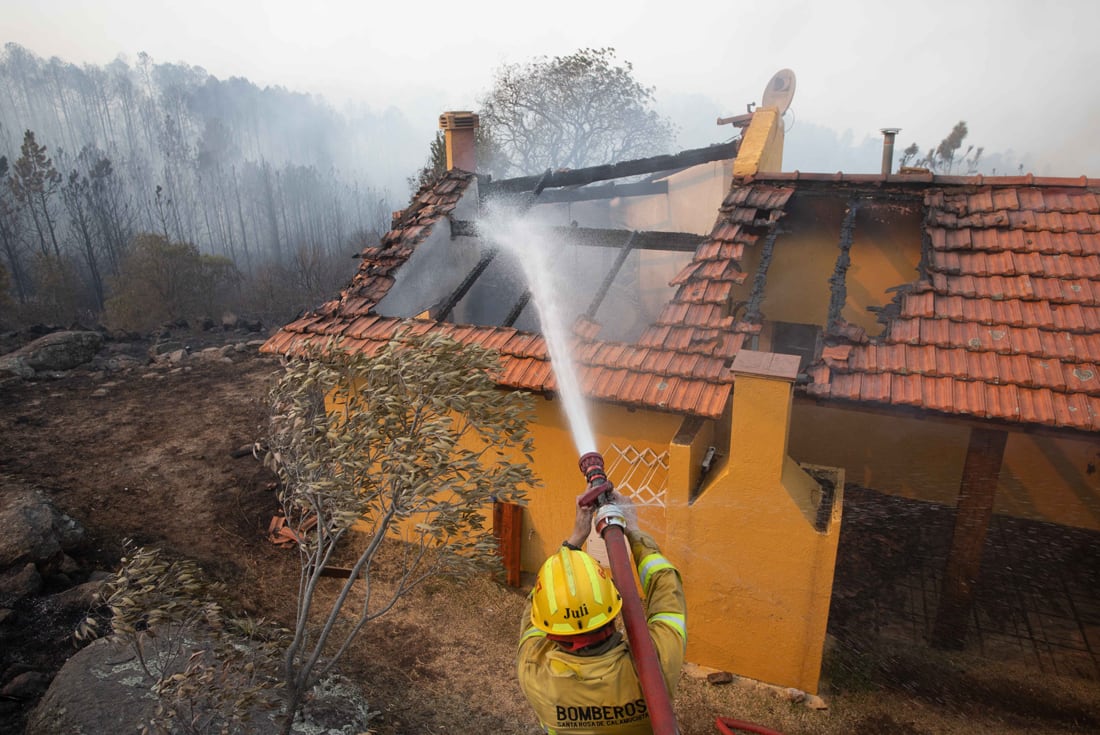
[[748, 339]]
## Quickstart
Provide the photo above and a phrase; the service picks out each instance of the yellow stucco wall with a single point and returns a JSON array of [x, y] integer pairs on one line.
[[1044, 477], [761, 144], [548, 517], [690, 205], [757, 575]]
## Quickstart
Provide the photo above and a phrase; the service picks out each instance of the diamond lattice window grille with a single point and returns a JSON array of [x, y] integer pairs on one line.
[[640, 475]]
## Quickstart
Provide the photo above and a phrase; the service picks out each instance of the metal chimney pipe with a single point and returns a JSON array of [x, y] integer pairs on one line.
[[888, 135]]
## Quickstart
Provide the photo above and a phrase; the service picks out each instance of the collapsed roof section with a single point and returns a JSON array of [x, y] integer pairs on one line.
[[1003, 320], [987, 303]]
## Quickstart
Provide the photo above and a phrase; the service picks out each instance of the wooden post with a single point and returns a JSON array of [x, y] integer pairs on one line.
[[972, 514], [507, 524]]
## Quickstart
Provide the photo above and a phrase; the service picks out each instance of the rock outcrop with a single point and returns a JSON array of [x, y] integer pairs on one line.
[[54, 352]]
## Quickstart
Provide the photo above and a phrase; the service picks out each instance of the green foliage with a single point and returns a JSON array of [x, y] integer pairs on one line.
[[487, 151], [162, 281], [410, 445], [569, 112], [436, 165], [211, 671]]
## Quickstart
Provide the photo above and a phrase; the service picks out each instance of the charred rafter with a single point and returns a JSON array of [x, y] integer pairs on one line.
[[610, 277], [581, 176], [838, 289], [682, 242], [521, 304], [760, 279], [467, 283]]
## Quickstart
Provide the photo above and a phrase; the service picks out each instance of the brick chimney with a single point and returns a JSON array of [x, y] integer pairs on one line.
[[460, 132]]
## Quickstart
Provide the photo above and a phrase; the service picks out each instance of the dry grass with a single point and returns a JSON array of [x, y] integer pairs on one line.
[[442, 662]]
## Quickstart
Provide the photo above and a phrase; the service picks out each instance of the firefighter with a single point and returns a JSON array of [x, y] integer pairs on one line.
[[573, 662]]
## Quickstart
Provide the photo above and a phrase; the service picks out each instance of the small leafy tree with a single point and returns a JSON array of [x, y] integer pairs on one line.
[[568, 112], [210, 670], [409, 446], [436, 165], [161, 281], [487, 153]]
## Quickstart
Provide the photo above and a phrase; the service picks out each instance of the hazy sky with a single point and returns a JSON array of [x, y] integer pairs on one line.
[[1023, 74]]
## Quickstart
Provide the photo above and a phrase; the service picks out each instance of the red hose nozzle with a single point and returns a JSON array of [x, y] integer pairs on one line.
[[599, 487]]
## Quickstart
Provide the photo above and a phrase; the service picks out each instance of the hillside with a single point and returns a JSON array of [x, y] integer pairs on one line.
[[153, 453]]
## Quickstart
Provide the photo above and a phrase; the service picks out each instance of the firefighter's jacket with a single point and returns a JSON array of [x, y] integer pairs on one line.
[[589, 694]]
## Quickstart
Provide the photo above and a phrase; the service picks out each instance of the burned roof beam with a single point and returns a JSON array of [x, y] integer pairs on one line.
[[682, 242], [609, 171], [838, 289], [610, 277], [605, 191], [467, 283], [521, 304], [760, 279]]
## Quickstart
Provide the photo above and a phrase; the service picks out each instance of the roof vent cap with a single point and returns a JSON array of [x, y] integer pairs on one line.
[[459, 120]]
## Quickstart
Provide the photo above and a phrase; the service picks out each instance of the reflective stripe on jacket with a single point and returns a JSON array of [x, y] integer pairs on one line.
[[601, 694]]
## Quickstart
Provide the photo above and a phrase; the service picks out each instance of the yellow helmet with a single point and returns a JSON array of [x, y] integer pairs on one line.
[[573, 594]]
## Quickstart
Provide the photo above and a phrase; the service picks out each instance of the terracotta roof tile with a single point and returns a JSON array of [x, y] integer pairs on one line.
[[1071, 411], [1082, 378], [1094, 412], [1007, 326], [1005, 198], [1034, 405], [1054, 344], [847, 385], [952, 362], [1002, 401], [904, 330], [836, 353], [869, 387], [919, 304], [938, 394], [969, 397], [1086, 347], [1047, 372], [658, 391], [714, 399]]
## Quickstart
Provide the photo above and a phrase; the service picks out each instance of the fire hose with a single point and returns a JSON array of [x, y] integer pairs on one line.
[[610, 524]]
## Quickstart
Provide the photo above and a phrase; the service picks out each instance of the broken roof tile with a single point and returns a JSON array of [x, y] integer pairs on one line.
[[836, 353]]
